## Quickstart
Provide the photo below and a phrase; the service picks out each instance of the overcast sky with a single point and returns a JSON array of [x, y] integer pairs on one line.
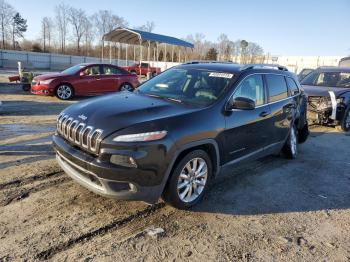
[[280, 27]]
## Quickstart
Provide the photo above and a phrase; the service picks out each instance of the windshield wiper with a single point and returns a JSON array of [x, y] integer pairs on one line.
[[163, 97]]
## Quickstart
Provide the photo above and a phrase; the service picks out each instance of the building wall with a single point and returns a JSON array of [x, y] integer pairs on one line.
[[297, 63]]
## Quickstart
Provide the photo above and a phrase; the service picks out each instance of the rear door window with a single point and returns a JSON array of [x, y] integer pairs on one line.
[[277, 87], [293, 87]]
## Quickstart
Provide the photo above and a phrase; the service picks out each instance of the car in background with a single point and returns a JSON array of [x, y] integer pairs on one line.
[[172, 136], [144, 69], [84, 80], [328, 90], [304, 73], [344, 62]]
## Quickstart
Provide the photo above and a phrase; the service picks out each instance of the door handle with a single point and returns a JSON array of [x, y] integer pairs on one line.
[[264, 114], [98, 78]]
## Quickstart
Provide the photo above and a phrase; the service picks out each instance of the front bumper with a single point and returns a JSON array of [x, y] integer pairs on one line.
[[105, 178], [43, 90]]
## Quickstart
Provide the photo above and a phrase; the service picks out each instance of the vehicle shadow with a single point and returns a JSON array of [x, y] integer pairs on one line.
[[319, 179]]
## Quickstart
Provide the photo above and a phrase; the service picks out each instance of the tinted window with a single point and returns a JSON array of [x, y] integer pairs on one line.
[[252, 87], [111, 70], [277, 87], [293, 87]]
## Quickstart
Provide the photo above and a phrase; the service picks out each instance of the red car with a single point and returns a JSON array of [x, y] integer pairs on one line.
[[85, 80]]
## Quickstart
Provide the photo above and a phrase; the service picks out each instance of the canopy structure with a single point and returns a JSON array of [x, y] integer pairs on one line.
[[136, 37]]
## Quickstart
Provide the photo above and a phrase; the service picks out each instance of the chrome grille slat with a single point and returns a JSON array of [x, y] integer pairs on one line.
[[79, 133], [71, 130], [86, 132]]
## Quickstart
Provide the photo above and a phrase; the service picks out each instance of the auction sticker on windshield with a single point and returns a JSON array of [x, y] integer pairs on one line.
[[222, 75]]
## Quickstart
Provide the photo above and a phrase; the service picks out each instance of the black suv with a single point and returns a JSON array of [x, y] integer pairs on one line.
[[176, 131], [328, 91]]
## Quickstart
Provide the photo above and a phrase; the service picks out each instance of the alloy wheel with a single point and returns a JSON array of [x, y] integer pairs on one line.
[[64, 92], [192, 180]]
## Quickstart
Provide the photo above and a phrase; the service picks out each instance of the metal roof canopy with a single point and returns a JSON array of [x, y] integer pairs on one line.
[[136, 37]]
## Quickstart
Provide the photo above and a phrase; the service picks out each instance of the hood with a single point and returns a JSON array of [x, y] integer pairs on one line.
[[323, 90], [117, 111], [47, 76]]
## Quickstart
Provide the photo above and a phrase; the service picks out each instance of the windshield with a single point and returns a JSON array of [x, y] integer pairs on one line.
[[191, 86], [331, 79], [72, 70]]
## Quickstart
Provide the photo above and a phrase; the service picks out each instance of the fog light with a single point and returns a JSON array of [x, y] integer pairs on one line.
[[126, 161]]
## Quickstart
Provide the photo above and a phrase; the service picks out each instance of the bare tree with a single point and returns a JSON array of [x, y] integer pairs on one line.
[[62, 12], [255, 52], [88, 35], [148, 27], [222, 45], [46, 31], [106, 21], [6, 15], [77, 18]]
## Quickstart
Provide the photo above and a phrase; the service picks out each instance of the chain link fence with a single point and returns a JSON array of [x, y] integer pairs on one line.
[[48, 61]]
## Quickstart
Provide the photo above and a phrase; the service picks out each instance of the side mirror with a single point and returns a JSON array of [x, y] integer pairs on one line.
[[242, 103]]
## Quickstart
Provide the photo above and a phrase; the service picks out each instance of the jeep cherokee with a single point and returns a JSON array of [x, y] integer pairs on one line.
[[173, 134]]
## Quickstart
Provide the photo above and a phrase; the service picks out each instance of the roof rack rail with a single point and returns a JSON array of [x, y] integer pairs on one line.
[[207, 62], [253, 66]]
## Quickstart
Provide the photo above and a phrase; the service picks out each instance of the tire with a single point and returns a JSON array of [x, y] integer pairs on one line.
[[154, 74], [345, 123], [183, 181], [303, 134], [133, 72], [64, 92], [25, 87], [290, 149], [127, 87]]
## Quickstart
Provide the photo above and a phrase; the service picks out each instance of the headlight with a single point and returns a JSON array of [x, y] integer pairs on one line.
[[149, 136], [46, 82]]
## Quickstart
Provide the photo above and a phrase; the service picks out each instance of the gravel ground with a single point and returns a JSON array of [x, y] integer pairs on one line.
[[270, 210]]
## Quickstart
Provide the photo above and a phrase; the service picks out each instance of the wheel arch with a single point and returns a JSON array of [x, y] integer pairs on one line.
[[210, 146]]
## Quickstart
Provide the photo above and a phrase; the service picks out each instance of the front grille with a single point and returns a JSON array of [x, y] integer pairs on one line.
[[78, 133]]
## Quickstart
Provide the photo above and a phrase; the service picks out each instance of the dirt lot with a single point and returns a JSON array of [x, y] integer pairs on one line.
[[270, 210]]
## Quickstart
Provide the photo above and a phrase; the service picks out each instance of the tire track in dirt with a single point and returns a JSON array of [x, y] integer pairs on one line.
[[114, 225], [28, 180], [20, 194], [27, 160]]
